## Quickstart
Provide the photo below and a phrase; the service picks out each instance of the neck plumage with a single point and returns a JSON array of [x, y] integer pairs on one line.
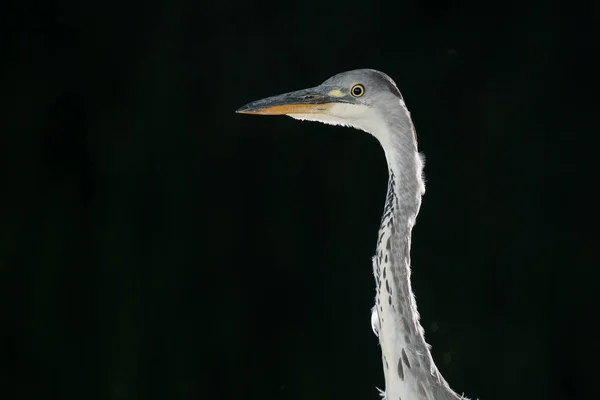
[[410, 373]]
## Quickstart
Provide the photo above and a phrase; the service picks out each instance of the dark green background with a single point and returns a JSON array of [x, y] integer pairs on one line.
[[155, 245]]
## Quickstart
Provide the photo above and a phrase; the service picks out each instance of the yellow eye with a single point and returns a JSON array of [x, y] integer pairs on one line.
[[357, 90]]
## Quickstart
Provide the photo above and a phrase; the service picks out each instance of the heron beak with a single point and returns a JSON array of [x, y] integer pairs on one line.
[[306, 101]]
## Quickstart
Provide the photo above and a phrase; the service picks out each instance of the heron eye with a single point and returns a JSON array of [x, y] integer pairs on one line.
[[358, 90]]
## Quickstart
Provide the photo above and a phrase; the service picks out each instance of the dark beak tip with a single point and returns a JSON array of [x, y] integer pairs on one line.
[[248, 108]]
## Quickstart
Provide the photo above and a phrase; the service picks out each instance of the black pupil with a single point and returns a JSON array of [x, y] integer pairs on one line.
[[357, 90]]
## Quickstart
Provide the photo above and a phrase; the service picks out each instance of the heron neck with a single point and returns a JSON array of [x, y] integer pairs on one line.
[[405, 169], [408, 366]]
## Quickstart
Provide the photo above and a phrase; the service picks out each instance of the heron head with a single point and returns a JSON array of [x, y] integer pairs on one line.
[[361, 98]]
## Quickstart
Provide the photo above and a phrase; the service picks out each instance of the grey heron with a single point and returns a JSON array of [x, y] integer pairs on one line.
[[369, 100]]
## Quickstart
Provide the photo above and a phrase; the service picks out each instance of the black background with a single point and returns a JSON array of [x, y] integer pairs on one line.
[[156, 245]]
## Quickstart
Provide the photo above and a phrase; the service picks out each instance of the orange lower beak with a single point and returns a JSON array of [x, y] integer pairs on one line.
[[306, 101], [285, 109]]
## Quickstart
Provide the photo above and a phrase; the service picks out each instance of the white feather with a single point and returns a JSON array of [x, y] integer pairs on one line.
[[375, 321], [352, 115]]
